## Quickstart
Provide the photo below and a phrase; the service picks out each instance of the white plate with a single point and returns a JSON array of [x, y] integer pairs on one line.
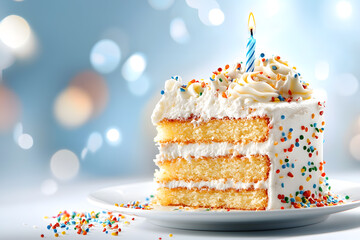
[[221, 220]]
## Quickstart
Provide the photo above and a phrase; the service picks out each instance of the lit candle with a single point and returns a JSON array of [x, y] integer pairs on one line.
[[250, 47]]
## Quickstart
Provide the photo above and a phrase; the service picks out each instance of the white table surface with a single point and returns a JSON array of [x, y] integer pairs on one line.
[[22, 217]]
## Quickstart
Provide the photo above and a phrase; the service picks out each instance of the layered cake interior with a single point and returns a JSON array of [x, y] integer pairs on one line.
[[241, 140]]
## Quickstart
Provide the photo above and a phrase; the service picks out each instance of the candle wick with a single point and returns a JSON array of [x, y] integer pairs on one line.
[[251, 31]]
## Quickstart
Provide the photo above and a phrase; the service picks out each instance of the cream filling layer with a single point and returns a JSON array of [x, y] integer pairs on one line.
[[196, 150], [221, 184]]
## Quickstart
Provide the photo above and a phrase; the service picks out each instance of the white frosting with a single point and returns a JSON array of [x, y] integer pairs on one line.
[[197, 150], [228, 91], [210, 107], [221, 184], [246, 87]]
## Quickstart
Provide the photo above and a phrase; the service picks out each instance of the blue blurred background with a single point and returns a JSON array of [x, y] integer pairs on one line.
[[81, 78]]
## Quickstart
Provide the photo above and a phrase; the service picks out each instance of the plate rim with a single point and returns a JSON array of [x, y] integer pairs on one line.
[[148, 213]]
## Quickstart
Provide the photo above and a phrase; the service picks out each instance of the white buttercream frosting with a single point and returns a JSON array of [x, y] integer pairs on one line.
[[229, 90], [248, 88], [212, 150]]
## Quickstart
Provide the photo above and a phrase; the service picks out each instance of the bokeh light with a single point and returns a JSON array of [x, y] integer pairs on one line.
[[113, 136], [25, 141], [28, 50], [49, 187], [322, 70], [349, 84], [73, 107], [196, 3], [105, 56], [64, 164], [84, 152], [355, 147], [216, 16], [9, 108], [140, 86], [161, 4], [343, 9], [119, 36], [134, 67], [204, 7], [18, 130], [178, 31], [95, 142], [95, 87], [14, 31], [6, 58]]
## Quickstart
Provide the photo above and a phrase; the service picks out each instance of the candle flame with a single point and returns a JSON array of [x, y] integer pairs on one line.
[[251, 22]]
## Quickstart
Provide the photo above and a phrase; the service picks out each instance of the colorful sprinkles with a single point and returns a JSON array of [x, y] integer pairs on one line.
[[224, 75], [309, 199], [84, 222], [316, 195], [137, 204]]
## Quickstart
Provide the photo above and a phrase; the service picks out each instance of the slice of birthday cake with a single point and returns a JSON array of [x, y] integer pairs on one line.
[[241, 140]]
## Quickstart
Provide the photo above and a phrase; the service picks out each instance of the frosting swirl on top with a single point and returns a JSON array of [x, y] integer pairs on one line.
[[248, 87], [229, 90], [273, 80]]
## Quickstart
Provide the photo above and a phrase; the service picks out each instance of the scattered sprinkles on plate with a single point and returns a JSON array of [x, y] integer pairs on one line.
[[137, 204], [84, 222]]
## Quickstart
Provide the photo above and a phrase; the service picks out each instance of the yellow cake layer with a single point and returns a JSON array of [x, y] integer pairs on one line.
[[239, 168], [214, 130], [250, 199]]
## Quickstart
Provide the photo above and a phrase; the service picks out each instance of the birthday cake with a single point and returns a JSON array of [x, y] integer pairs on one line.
[[241, 140]]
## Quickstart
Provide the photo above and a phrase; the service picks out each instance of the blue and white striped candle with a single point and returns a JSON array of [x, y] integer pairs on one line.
[[250, 47]]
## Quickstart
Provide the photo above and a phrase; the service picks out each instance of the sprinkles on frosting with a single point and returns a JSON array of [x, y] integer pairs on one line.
[[318, 195], [309, 199], [223, 79]]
